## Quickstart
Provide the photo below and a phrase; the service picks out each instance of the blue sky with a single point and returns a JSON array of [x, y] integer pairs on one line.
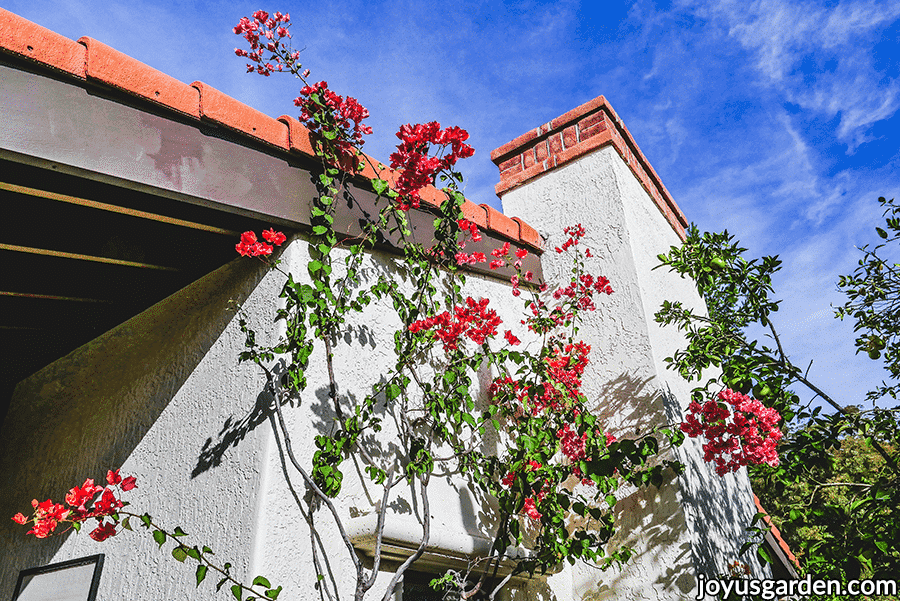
[[776, 120]]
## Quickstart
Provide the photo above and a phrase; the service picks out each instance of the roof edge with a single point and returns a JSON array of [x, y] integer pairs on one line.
[[89, 59]]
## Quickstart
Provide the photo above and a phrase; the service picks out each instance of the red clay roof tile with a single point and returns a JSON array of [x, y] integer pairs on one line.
[[225, 110], [120, 71], [88, 58], [23, 38], [298, 136]]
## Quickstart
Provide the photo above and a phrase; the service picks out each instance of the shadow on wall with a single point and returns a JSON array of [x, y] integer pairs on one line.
[[88, 411], [236, 428]]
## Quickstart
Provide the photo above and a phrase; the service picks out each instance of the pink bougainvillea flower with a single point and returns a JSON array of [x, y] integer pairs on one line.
[[530, 509], [19, 518]]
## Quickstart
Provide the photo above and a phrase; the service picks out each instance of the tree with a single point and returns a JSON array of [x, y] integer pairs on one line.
[[845, 520]]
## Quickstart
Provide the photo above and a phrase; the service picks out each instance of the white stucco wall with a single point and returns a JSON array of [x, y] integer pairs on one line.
[[146, 396], [695, 524], [163, 398]]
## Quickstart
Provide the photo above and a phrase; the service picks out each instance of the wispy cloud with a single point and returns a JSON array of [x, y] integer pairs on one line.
[[819, 57]]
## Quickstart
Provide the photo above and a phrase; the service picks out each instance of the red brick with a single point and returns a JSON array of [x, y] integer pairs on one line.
[[528, 234], [500, 223], [555, 143], [570, 136], [573, 115], [515, 161], [117, 70], [498, 153], [588, 132], [514, 181], [512, 171], [579, 150], [540, 151], [592, 119], [225, 110], [528, 158], [29, 40]]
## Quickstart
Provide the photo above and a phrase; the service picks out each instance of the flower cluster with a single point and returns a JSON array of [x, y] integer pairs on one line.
[[84, 503], [416, 166], [558, 393], [265, 32], [751, 436], [574, 233], [333, 117], [473, 319], [249, 246]]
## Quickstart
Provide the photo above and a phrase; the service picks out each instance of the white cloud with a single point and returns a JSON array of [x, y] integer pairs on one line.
[[793, 42]]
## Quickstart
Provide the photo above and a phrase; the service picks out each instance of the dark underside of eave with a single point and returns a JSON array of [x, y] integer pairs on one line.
[[52, 304]]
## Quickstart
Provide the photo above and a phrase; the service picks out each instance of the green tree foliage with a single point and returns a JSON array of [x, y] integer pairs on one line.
[[836, 492]]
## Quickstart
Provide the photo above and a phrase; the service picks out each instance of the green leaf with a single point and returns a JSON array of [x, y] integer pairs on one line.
[[126, 523], [179, 532], [201, 573], [261, 581], [236, 591], [179, 553], [318, 230], [764, 554], [146, 519], [273, 593], [159, 536], [194, 553], [379, 185]]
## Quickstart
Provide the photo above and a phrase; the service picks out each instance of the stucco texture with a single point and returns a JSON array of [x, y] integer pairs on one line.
[[694, 524], [163, 397]]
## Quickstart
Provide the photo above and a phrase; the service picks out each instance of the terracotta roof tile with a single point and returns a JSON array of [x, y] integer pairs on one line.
[[23, 38], [111, 67], [776, 533], [298, 136], [90, 59], [225, 110]]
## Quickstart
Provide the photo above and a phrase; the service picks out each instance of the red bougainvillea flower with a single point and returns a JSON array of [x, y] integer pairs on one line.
[[47, 516], [273, 237], [333, 117], [249, 246], [473, 319], [84, 504], [574, 233], [103, 531], [415, 164], [266, 32]]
